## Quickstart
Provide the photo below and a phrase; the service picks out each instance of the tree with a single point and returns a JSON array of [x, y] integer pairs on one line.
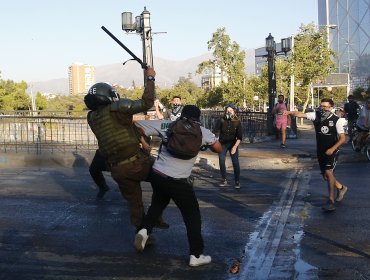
[[189, 92], [211, 99], [41, 101], [311, 59], [66, 103], [229, 60], [360, 94], [257, 86], [13, 95]]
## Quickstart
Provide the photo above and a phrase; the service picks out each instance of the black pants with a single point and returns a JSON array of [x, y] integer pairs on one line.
[[182, 193], [97, 166]]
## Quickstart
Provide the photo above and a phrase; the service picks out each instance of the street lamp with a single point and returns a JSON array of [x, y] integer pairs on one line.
[[271, 53], [142, 27]]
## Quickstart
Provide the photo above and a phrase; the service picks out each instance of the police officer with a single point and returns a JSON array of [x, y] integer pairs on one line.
[[111, 120]]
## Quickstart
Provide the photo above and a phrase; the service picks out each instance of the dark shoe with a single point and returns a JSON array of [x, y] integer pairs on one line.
[[329, 206], [161, 224], [102, 192], [282, 146], [237, 185], [151, 240], [341, 193]]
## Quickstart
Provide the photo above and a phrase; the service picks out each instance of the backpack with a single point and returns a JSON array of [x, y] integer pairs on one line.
[[184, 138]]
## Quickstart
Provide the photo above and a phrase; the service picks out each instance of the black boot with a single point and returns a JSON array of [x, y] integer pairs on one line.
[[102, 191], [161, 224]]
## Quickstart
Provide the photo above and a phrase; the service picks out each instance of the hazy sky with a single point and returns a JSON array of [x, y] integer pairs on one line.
[[41, 38]]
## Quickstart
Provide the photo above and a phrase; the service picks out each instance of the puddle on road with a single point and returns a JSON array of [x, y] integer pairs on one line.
[[304, 271]]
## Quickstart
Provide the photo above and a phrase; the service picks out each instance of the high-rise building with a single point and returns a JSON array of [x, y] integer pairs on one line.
[[348, 25], [81, 78]]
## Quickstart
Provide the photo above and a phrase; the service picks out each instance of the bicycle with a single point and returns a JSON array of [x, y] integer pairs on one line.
[[364, 147]]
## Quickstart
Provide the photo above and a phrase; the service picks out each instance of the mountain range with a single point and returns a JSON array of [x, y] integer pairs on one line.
[[168, 73]]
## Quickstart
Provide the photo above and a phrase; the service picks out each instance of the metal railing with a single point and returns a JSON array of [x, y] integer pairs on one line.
[[45, 131], [49, 132], [254, 123]]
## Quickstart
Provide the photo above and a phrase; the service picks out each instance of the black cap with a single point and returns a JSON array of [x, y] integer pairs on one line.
[[191, 112]]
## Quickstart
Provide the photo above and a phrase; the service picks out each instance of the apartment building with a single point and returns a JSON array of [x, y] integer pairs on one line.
[[81, 78]]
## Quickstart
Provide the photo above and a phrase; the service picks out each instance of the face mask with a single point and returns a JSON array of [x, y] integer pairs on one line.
[[228, 116], [280, 101], [324, 114], [176, 108]]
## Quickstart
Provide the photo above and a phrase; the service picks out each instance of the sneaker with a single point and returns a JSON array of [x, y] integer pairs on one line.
[[102, 192], [223, 183], [329, 206], [194, 261], [237, 185], [282, 146], [140, 239], [341, 193]]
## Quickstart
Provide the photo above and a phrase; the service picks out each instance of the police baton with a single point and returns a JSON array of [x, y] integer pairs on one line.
[[143, 65]]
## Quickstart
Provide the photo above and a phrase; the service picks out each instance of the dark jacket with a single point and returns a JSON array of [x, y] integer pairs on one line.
[[229, 130]]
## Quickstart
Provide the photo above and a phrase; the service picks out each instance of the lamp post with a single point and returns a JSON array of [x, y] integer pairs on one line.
[[142, 27], [271, 52]]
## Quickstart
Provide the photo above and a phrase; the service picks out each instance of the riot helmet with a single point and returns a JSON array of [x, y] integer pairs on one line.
[[100, 94]]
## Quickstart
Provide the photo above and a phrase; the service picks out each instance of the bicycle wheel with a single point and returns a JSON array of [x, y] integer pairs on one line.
[[367, 151], [353, 142], [354, 137]]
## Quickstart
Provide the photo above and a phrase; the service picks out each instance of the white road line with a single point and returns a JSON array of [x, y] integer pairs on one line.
[[264, 241]]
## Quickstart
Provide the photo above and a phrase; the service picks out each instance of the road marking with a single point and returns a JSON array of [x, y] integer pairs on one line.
[[263, 243]]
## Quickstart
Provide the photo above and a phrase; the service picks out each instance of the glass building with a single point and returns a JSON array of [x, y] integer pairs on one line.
[[348, 25]]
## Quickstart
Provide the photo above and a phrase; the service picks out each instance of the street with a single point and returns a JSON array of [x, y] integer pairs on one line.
[[51, 226]]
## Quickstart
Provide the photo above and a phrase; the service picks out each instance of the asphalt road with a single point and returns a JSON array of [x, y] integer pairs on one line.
[[51, 226]]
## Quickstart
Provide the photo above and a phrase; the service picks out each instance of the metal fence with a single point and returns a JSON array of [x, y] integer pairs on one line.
[[49, 132], [254, 123]]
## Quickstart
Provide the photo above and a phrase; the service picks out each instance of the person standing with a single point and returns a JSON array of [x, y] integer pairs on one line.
[[281, 120], [329, 137], [230, 135], [111, 120], [171, 114], [363, 125], [351, 110], [170, 178]]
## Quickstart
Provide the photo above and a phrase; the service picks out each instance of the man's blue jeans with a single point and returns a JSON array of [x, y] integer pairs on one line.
[[226, 147]]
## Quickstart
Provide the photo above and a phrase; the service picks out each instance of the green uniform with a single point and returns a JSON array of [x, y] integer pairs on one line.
[[119, 143]]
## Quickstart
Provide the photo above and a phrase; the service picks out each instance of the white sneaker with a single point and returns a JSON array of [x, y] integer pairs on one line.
[[140, 239], [341, 193], [223, 183], [194, 261]]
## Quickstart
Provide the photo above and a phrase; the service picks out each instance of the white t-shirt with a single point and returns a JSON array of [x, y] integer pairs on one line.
[[339, 125], [165, 162]]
